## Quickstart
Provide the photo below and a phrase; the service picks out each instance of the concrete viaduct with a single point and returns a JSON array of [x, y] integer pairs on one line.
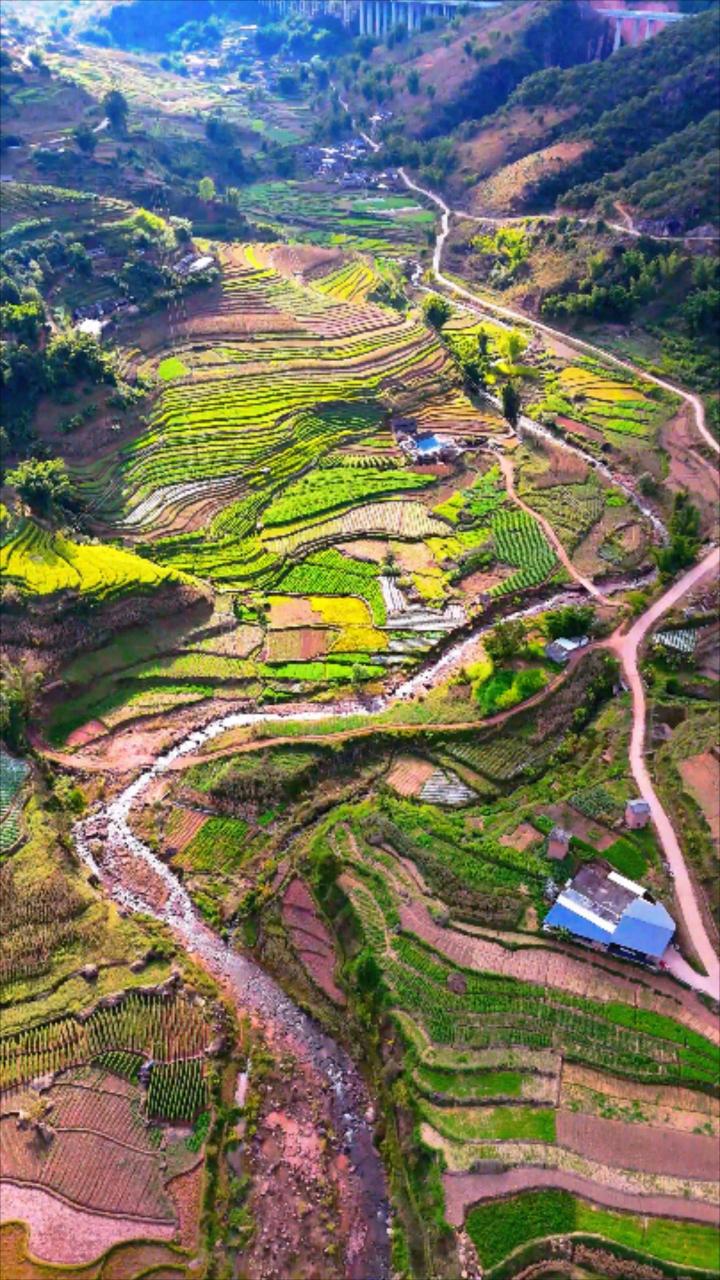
[[643, 23], [378, 17]]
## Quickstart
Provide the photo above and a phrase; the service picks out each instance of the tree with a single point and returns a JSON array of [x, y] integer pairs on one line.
[[512, 344], [505, 641], [206, 189], [218, 130], [684, 530], [85, 138], [115, 106], [368, 973], [572, 620], [436, 310], [511, 403], [43, 484], [413, 82], [25, 319], [18, 690]]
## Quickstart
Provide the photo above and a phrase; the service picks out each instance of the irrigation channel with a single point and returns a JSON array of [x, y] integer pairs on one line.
[[253, 989]]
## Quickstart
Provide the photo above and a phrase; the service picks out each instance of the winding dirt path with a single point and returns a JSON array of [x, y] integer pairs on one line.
[[627, 647], [509, 314], [626, 227]]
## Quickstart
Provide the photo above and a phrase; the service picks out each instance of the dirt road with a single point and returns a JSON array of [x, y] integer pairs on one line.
[[627, 647], [509, 314]]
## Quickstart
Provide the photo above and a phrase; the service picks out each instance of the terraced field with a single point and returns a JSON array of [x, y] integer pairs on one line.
[[389, 224], [266, 466], [39, 562], [590, 402]]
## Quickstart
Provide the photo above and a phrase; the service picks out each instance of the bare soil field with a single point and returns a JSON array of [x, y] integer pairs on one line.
[[588, 829], [291, 611], [62, 1233], [185, 1191], [594, 1093], [689, 470], [701, 777], [88, 1170], [579, 428], [522, 837], [636, 1146], [482, 580], [409, 774], [311, 939], [562, 468]]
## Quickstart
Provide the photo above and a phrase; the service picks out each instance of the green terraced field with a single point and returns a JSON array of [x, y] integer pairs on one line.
[[496, 1229]]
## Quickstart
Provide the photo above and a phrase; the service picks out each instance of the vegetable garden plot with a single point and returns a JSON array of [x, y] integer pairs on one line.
[[494, 1011], [591, 395], [520, 541], [219, 846], [340, 486], [572, 509], [177, 1090], [164, 1028], [13, 773]]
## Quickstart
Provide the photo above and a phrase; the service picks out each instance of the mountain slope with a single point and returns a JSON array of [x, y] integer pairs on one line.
[[608, 127]]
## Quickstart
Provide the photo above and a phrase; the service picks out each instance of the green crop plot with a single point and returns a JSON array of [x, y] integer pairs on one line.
[[499, 1228]]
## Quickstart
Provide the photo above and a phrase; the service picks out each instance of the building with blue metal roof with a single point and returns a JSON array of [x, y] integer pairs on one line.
[[604, 908]]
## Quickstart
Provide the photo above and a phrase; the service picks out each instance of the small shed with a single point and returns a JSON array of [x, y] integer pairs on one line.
[[93, 328], [637, 814], [561, 650], [558, 843]]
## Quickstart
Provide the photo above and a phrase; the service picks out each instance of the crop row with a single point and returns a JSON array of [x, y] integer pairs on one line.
[[177, 1090], [520, 541], [329, 488], [39, 562], [631, 1041], [165, 1028], [500, 1227]]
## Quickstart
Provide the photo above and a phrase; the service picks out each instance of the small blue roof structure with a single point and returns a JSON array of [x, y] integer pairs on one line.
[[645, 926], [562, 916]]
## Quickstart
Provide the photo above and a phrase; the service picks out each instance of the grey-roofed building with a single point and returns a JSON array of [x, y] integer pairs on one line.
[[605, 908], [562, 649], [637, 814]]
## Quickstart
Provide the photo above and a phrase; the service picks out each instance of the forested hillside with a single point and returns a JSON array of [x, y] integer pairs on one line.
[[640, 127]]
